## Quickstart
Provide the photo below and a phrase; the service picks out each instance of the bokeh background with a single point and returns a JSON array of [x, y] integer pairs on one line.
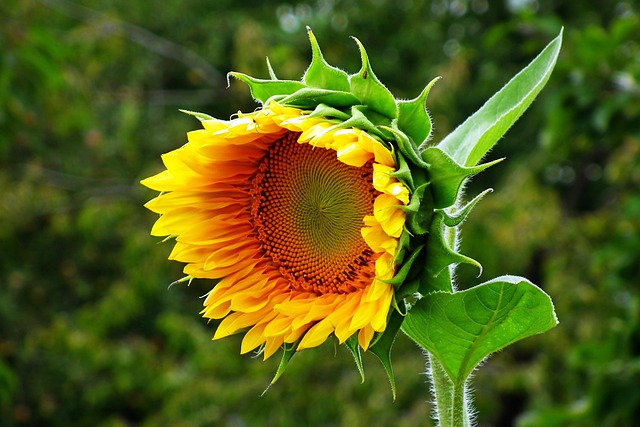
[[90, 333]]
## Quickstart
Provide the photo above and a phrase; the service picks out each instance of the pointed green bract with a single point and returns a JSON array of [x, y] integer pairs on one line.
[[272, 74], [406, 146], [474, 138], [354, 347], [322, 75], [308, 98], [368, 89], [453, 219], [447, 176], [401, 275], [403, 172], [441, 255], [200, 116], [463, 328], [413, 117], [382, 347], [287, 355], [262, 90], [324, 110], [419, 211]]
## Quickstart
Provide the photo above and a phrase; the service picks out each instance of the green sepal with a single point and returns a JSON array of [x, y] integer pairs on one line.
[[200, 116], [322, 75], [326, 111], [262, 90], [441, 255], [309, 98], [447, 175], [366, 87], [419, 211], [456, 218], [406, 146], [289, 350], [413, 117], [383, 344], [354, 348]]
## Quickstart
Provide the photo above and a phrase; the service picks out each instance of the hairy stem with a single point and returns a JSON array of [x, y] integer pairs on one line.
[[452, 409]]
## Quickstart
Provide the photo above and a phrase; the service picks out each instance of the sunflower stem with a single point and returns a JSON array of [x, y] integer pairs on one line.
[[451, 404]]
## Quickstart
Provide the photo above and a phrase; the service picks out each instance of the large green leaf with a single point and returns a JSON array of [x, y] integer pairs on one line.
[[460, 329], [468, 143]]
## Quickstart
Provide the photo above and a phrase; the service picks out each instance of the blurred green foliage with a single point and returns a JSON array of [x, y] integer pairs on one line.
[[90, 334]]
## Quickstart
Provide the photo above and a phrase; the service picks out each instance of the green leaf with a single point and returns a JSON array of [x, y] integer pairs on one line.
[[468, 143], [322, 75], [447, 176], [463, 328], [366, 87], [413, 118], [261, 90]]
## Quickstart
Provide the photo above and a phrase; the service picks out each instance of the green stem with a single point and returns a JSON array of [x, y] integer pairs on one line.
[[452, 408], [451, 399]]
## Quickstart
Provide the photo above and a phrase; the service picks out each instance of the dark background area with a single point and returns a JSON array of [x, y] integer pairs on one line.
[[90, 334]]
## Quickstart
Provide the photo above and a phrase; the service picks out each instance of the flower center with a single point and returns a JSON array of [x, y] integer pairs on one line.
[[308, 209]]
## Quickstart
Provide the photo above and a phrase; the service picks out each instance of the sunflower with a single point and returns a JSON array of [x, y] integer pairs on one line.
[[296, 216], [322, 213]]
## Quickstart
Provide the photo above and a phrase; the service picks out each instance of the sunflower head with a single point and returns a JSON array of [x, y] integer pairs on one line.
[[317, 215]]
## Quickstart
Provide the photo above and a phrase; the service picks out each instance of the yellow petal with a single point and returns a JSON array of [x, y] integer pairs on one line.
[[353, 155], [316, 335], [379, 320], [281, 325], [363, 314], [365, 336], [272, 345], [385, 266], [253, 338], [382, 155], [366, 142], [378, 240], [386, 212]]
